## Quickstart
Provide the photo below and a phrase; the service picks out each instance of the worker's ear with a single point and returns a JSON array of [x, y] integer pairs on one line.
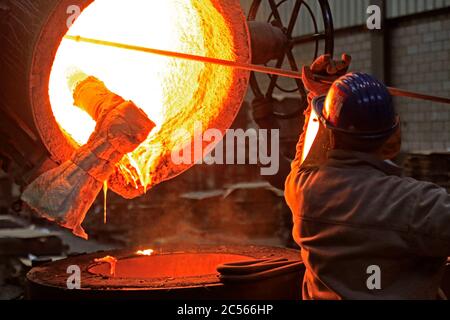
[[393, 145]]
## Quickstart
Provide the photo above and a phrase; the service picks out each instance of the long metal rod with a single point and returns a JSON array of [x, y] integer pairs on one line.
[[241, 66], [415, 95], [186, 56]]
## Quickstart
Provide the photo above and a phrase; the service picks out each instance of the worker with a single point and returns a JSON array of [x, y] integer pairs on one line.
[[365, 231]]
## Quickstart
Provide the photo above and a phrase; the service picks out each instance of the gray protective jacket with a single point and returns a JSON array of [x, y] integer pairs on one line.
[[355, 214]]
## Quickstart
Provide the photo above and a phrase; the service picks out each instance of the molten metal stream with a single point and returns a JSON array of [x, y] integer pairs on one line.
[[168, 90], [105, 194]]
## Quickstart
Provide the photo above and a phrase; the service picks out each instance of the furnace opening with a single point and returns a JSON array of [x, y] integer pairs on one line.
[[173, 93]]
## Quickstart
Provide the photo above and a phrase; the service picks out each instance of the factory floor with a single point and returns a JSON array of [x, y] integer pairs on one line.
[[24, 245]]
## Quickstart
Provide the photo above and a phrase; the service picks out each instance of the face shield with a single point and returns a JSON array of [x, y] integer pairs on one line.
[[316, 137]]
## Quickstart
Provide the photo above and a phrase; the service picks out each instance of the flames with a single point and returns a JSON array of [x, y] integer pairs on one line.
[[146, 252], [170, 91], [112, 261]]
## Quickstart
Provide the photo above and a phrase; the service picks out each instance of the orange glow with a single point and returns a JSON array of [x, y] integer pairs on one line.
[[174, 93], [112, 261], [311, 133], [105, 194], [147, 252]]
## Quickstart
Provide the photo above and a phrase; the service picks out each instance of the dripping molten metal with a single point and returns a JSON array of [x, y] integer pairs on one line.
[[160, 86], [111, 261], [105, 193]]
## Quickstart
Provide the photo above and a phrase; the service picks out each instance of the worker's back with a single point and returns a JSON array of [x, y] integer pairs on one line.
[[367, 233]]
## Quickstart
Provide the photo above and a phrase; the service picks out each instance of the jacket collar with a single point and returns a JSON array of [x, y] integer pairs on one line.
[[343, 158]]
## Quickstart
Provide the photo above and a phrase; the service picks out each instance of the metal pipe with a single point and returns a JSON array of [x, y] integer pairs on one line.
[[396, 92], [243, 66], [186, 56], [415, 95]]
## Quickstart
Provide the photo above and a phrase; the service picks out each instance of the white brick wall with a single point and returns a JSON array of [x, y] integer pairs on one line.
[[420, 62]]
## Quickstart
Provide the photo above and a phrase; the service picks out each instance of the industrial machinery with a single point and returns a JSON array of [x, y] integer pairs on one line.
[[34, 135], [174, 274], [322, 39], [39, 129], [37, 123], [43, 131]]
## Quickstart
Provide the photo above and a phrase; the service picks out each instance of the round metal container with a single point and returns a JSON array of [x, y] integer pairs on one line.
[[175, 273]]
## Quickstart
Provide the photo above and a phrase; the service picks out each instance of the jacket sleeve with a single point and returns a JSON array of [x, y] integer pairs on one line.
[[430, 221], [292, 183]]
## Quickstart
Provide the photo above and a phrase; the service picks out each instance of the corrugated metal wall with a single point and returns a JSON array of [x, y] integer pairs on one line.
[[397, 8], [347, 13]]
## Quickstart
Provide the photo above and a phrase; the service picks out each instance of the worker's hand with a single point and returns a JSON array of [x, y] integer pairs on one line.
[[74, 76], [326, 67]]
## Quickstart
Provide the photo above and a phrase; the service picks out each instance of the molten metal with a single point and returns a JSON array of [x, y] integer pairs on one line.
[[174, 93], [111, 261], [147, 252]]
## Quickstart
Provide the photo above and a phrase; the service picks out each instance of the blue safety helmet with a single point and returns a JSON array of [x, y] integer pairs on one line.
[[358, 105]]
